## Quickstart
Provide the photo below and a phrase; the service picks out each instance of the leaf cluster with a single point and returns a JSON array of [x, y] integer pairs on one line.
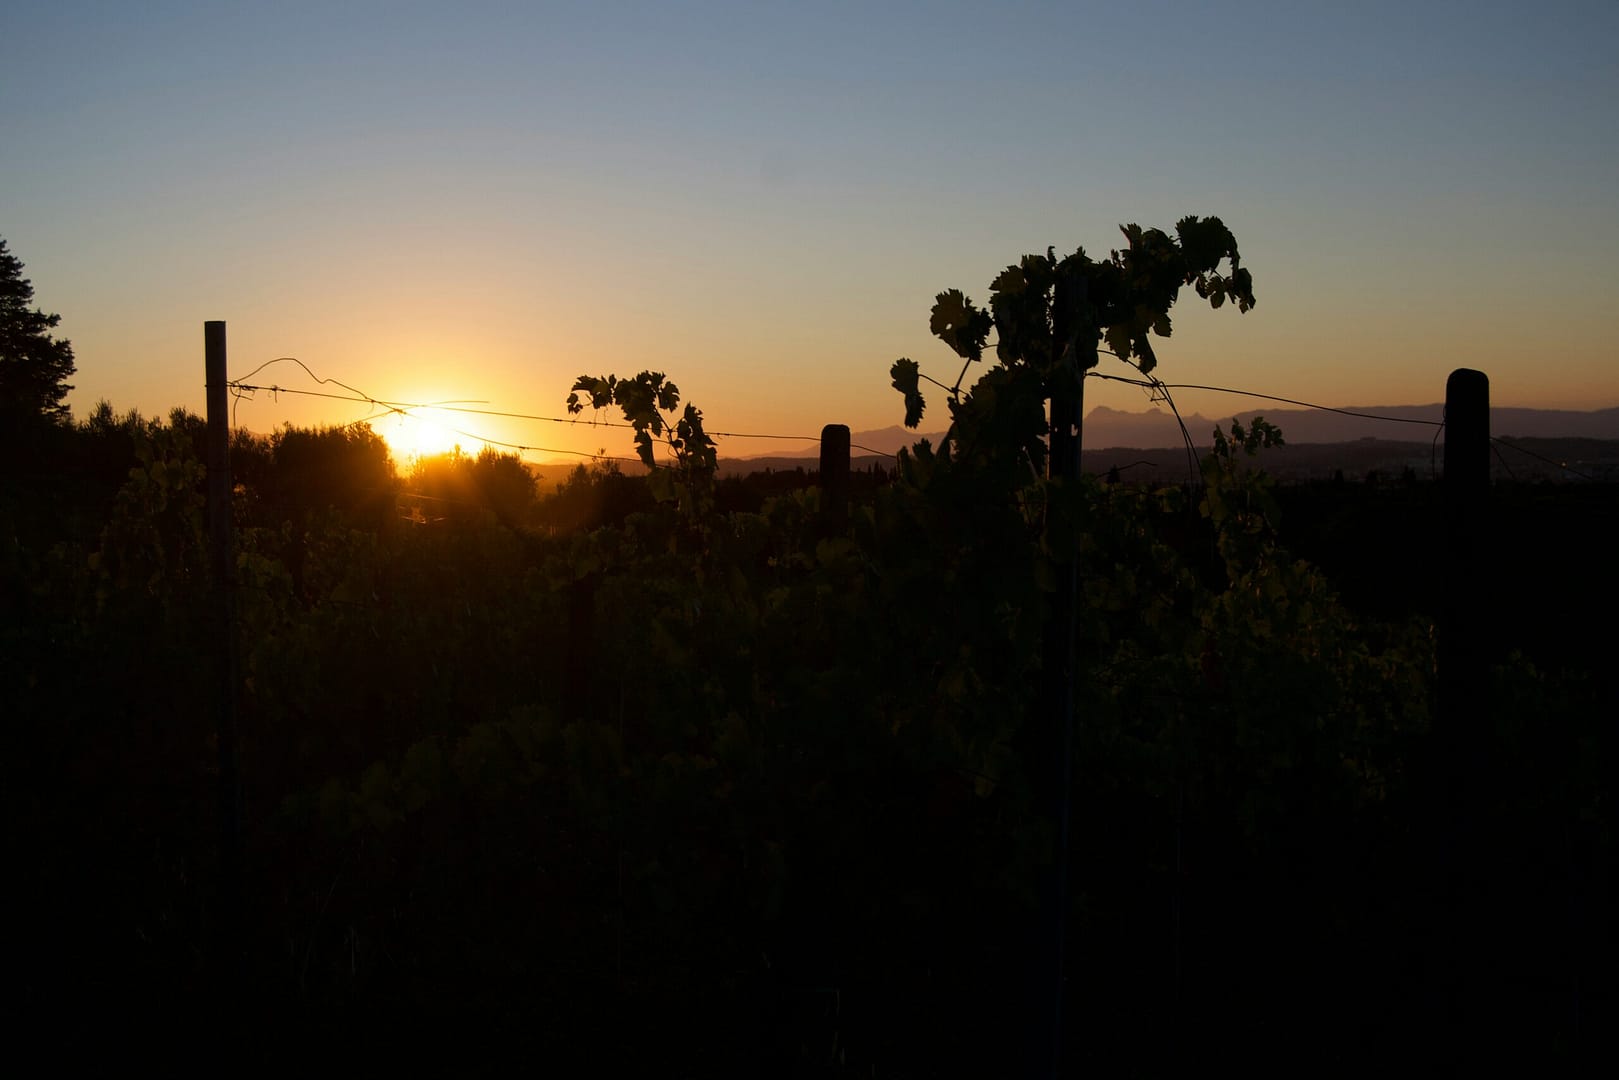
[[1051, 316], [649, 402]]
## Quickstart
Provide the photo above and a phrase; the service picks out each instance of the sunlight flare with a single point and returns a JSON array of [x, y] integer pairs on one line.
[[417, 433]]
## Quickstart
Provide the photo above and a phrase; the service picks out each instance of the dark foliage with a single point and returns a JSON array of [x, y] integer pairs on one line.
[[750, 793], [658, 772]]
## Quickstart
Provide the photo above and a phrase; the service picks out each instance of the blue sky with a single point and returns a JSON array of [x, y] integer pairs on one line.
[[485, 200]]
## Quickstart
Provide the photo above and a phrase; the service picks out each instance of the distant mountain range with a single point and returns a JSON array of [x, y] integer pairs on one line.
[[1106, 428]]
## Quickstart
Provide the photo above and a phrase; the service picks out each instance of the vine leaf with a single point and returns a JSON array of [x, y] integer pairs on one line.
[[1147, 358], [959, 324], [1118, 339], [907, 380]]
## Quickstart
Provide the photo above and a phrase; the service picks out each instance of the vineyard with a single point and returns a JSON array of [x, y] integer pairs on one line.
[[714, 777]]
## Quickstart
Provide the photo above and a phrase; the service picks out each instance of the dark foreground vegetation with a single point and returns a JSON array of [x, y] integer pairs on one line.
[[745, 790], [737, 778]]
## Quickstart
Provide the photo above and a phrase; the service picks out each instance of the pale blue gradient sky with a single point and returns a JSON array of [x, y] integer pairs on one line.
[[484, 200]]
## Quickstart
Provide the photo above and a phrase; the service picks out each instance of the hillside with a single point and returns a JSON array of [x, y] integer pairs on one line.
[[1106, 427]]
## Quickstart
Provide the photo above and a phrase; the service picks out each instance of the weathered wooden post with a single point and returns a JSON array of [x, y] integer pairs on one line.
[[223, 633], [1466, 496], [1462, 733], [835, 475], [1054, 730]]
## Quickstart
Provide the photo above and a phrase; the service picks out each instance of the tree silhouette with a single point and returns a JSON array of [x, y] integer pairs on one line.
[[34, 366]]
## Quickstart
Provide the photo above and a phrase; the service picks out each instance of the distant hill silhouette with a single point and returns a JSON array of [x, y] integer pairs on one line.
[[1106, 428]]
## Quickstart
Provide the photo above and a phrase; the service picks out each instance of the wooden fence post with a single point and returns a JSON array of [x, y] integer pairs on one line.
[[1053, 741], [223, 630], [835, 474], [1462, 734]]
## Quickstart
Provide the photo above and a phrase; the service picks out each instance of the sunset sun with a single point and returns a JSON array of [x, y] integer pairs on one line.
[[422, 433]]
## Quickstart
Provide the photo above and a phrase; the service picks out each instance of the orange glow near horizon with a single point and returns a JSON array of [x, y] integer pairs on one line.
[[487, 206]]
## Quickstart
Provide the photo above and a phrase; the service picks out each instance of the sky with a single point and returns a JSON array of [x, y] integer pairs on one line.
[[480, 202]]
